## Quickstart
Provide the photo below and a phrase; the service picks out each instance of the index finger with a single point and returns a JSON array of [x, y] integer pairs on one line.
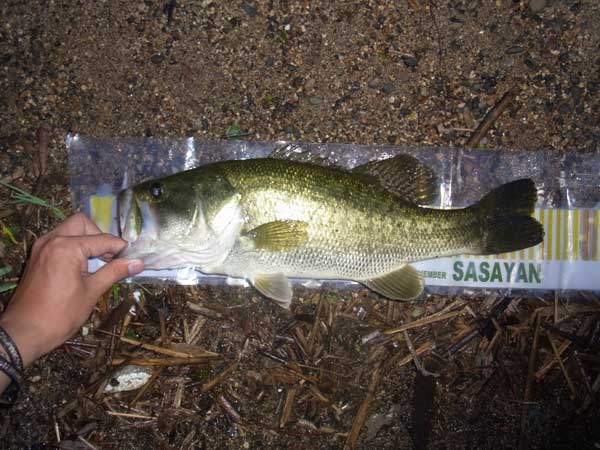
[[77, 225]]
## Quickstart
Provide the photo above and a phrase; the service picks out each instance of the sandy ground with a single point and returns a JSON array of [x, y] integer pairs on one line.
[[400, 72]]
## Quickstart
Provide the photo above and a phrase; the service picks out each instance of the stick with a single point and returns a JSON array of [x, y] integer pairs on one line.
[[561, 365], [159, 361], [146, 387], [166, 351], [361, 415], [548, 365], [491, 117], [130, 415], [421, 322], [416, 359], [87, 443], [529, 382], [220, 377], [286, 413]]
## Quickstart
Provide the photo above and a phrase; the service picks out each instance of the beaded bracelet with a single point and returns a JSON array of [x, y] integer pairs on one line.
[[11, 349], [9, 395], [12, 367]]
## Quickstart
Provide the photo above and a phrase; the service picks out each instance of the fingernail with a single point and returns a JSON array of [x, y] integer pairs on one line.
[[135, 266]]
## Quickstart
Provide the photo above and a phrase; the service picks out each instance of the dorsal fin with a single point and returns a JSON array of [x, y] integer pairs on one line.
[[404, 176]]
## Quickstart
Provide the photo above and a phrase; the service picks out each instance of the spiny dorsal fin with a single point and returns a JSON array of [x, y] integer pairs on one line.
[[275, 286], [404, 176], [405, 283], [279, 235]]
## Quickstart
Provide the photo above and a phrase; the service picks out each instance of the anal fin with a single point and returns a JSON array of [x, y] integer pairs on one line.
[[276, 286], [405, 283]]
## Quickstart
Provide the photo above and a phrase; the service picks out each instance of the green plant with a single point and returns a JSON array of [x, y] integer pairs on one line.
[[5, 287], [21, 197]]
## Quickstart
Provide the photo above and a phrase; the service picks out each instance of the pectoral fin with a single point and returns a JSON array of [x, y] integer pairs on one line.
[[279, 235], [404, 176], [403, 284], [276, 286]]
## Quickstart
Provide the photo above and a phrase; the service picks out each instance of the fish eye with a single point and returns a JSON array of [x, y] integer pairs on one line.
[[156, 190]]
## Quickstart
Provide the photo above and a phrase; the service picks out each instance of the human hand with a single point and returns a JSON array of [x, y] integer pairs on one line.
[[56, 293]]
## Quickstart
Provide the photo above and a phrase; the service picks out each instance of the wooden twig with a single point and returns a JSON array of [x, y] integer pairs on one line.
[[131, 415], [562, 366], [399, 362], [416, 359], [421, 322], [159, 361], [220, 377], [588, 398], [167, 351], [361, 415], [227, 407], [529, 382], [286, 413], [87, 443], [491, 117], [146, 387], [549, 364]]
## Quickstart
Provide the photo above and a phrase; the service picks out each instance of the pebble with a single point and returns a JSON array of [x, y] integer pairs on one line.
[[387, 88], [410, 61], [564, 108], [374, 83], [157, 58], [250, 9], [315, 100], [537, 6], [297, 82], [514, 50], [269, 61]]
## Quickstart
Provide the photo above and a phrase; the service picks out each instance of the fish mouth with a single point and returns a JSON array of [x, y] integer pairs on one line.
[[126, 217], [136, 219]]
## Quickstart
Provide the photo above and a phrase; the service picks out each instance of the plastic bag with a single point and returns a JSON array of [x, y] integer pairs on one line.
[[568, 203]]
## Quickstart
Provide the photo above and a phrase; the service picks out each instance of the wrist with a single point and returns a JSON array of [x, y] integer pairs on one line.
[[27, 338]]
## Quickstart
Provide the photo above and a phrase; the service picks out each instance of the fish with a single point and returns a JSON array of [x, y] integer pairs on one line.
[[267, 220]]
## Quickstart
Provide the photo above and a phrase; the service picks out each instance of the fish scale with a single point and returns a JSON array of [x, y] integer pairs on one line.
[[356, 229]]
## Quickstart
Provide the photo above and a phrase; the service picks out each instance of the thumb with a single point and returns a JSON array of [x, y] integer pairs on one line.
[[99, 282]]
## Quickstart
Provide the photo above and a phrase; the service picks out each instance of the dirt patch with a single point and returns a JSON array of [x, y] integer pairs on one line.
[[409, 72]]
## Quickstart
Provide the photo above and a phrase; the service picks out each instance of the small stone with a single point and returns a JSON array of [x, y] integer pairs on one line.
[[157, 58], [374, 83], [564, 108], [514, 50], [269, 61], [35, 378], [530, 63], [315, 100], [297, 82], [410, 61], [404, 112], [387, 88], [576, 93], [537, 6], [250, 9]]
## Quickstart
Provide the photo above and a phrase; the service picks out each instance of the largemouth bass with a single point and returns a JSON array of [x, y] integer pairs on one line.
[[270, 219]]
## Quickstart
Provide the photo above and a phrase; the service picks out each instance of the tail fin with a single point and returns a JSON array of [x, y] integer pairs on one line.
[[506, 214]]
